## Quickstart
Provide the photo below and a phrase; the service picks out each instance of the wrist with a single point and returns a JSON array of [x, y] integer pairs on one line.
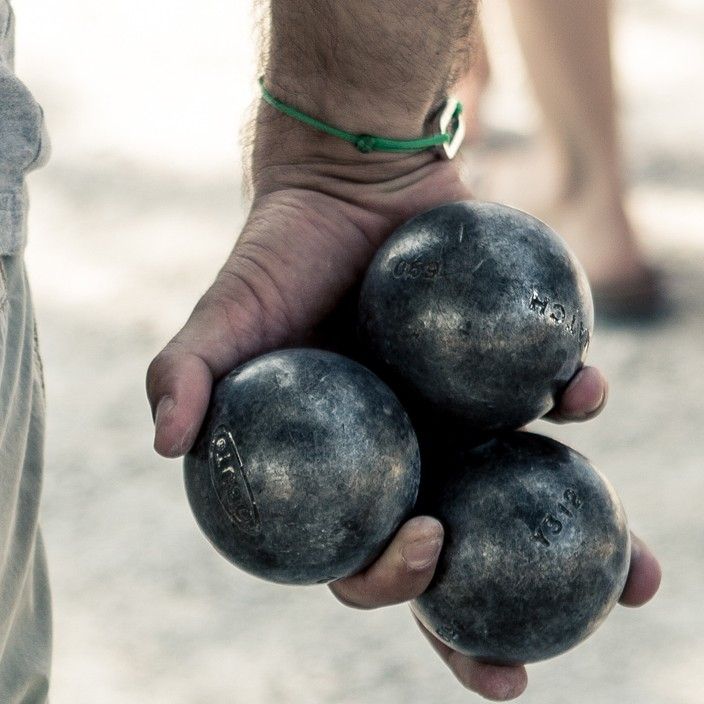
[[368, 66], [284, 146], [394, 186], [354, 108]]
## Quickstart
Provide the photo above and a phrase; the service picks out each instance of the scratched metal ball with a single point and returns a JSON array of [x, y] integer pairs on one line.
[[477, 311], [304, 468], [536, 553]]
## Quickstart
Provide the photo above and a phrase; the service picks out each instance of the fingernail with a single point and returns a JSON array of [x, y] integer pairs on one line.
[[508, 692], [588, 414], [584, 377], [180, 448], [421, 553], [162, 418], [596, 410], [495, 682], [513, 690], [163, 411], [602, 400]]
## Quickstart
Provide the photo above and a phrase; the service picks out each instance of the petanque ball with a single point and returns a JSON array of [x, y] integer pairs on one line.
[[536, 552], [305, 466], [476, 311]]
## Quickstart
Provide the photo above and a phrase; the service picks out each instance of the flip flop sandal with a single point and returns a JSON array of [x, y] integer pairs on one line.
[[641, 299]]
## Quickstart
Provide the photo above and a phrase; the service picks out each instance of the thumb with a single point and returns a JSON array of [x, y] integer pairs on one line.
[[178, 387], [228, 325]]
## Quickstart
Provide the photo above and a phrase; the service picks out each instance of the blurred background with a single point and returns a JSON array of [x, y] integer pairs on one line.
[[129, 223]]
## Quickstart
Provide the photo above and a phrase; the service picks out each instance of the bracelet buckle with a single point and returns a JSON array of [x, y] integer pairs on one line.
[[449, 121]]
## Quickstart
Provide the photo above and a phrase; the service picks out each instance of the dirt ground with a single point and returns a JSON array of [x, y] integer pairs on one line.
[[129, 223]]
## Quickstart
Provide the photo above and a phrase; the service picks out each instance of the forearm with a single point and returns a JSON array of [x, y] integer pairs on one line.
[[368, 66]]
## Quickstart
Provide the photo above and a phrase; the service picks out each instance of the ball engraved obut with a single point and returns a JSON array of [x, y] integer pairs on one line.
[[305, 467], [230, 481], [536, 553], [477, 311]]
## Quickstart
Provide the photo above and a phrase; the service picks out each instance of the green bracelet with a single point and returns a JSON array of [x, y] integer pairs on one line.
[[448, 139]]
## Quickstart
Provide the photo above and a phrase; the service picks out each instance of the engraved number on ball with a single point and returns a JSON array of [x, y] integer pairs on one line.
[[416, 269], [550, 524]]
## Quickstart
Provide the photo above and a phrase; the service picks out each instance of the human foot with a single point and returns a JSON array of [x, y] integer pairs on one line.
[[598, 230]]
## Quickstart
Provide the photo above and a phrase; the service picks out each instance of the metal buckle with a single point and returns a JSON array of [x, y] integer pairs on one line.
[[453, 125]]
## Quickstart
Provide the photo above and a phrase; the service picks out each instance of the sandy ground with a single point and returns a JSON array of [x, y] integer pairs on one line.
[[129, 223]]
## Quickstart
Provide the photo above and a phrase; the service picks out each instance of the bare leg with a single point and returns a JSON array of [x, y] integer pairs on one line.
[[566, 44]]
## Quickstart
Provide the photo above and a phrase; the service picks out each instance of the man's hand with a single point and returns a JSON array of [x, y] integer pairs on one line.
[[313, 228], [319, 213], [305, 244]]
